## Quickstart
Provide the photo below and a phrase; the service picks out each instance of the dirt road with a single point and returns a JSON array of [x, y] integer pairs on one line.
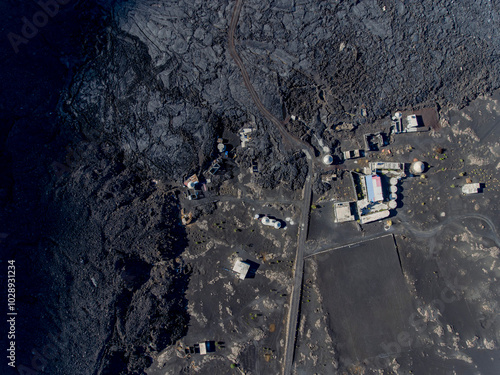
[[294, 143]]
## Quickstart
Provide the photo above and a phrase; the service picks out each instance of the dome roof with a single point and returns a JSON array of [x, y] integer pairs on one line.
[[417, 167], [328, 159]]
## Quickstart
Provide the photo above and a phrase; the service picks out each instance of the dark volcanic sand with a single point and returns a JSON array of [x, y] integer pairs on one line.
[[93, 236], [365, 297]]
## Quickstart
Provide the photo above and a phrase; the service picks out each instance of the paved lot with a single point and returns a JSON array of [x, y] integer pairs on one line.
[[365, 296]]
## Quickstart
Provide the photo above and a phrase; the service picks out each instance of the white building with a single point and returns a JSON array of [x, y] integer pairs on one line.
[[374, 216], [397, 123], [352, 154], [386, 166], [374, 188], [343, 212], [327, 159], [412, 123], [471, 188], [270, 222], [241, 268], [245, 136], [409, 124], [417, 168], [391, 169], [203, 348]]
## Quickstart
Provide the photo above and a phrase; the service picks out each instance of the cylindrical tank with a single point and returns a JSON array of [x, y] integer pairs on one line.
[[393, 204], [394, 181], [394, 189], [394, 196]]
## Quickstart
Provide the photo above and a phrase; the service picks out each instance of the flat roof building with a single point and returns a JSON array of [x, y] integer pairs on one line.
[[203, 348], [412, 123], [241, 268], [374, 188], [391, 166], [374, 217], [397, 123], [343, 212], [471, 188], [245, 136], [192, 181]]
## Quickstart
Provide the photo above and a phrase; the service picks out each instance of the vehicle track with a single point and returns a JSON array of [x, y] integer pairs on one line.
[[289, 139]]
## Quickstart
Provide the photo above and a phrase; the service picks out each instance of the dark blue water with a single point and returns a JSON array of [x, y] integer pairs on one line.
[[37, 63]]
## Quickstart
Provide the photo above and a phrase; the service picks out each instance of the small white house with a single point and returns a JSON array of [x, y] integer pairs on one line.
[[203, 348], [471, 188], [241, 268], [412, 123], [245, 136]]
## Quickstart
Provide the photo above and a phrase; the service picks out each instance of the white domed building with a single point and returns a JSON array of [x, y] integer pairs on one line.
[[417, 168], [270, 222], [328, 159]]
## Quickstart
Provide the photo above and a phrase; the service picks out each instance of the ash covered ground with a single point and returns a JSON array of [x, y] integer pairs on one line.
[[110, 106]]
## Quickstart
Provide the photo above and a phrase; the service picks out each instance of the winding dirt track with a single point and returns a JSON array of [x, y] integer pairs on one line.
[[290, 141], [288, 138]]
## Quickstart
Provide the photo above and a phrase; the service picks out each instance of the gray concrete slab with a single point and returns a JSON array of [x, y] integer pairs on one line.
[[365, 296]]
